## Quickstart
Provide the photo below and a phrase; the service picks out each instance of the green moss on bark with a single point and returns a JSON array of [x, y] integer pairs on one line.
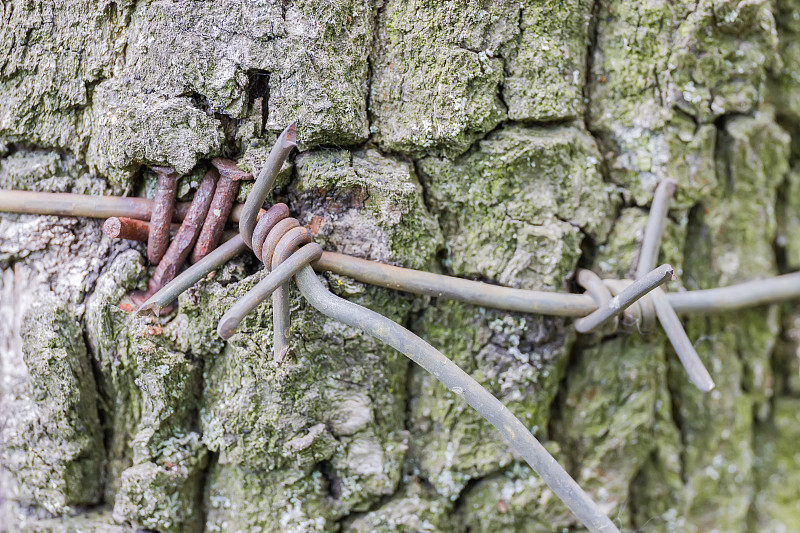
[[53, 443]]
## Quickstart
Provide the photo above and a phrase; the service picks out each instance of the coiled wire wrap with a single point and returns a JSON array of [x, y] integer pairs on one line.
[[275, 237]]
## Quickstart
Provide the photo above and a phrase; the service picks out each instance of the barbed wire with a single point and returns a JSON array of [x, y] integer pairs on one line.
[[286, 250]]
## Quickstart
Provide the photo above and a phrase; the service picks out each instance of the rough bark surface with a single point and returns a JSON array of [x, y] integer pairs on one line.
[[509, 141]]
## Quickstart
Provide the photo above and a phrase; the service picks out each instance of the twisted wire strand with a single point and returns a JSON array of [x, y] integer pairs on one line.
[[232, 318], [273, 237]]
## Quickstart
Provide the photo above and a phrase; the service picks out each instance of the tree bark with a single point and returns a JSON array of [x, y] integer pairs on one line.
[[508, 141]]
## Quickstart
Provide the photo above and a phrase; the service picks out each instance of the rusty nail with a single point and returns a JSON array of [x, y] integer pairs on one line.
[[126, 228], [187, 234], [132, 229], [164, 203], [224, 196], [214, 260]]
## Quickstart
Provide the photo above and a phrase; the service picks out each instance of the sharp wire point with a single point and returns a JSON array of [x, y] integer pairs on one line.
[[291, 133]]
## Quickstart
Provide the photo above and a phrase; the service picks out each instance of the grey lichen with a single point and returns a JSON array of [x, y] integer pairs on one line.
[[367, 205], [268, 425], [44, 91], [516, 208]]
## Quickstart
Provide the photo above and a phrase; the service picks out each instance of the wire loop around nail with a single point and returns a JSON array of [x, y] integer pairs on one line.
[[274, 214], [640, 316], [612, 307]]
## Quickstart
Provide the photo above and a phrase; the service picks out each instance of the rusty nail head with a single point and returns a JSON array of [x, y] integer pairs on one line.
[[228, 169]]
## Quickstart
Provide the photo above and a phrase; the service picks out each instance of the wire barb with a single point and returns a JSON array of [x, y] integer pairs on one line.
[[680, 341], [698, 373], [627, 297], [287, 140]]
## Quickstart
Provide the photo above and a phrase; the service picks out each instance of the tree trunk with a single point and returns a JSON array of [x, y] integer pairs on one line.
[[505, 141]]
